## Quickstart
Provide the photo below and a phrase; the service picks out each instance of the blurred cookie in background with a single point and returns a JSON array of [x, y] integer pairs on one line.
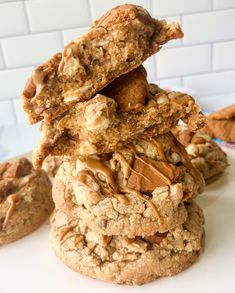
[[205, 154]]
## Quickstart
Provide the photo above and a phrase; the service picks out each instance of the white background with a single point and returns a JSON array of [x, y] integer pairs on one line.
[[31, 31]]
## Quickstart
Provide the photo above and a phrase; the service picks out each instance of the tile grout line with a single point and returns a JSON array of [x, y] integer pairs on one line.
[[3, 57], [198, 73], [40, 32], [90, 11], [62, 39], [14, 112], [26, 17], [194, 13], [212, 5]]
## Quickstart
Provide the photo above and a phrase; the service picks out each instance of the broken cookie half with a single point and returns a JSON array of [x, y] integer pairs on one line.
[[127, 109], [117, 43]]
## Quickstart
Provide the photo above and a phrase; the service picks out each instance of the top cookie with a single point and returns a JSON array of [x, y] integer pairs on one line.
[[117, 43]]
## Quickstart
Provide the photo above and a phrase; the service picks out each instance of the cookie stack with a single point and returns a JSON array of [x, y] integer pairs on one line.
[[123, 196]]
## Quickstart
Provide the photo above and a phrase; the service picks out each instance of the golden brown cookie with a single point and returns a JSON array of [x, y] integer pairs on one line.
[[137, 190], [127, 109], [25, 199], [132, 261], [117, 43], [204, 153], [221, 124]]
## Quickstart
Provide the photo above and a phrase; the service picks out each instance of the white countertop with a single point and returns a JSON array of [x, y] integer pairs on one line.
[[22, 138]]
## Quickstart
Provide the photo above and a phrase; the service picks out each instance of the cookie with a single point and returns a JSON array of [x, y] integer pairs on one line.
[[117, 43], [127, 109], [132, 261], [51, 165], [25, 199], [221, 124], [137, 190], [204, 153]]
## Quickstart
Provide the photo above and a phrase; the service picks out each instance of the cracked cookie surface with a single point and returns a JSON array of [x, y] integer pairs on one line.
[[120, 259], [137, 190]]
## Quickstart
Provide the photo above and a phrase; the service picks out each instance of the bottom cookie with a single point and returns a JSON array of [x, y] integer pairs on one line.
[[123, 260]]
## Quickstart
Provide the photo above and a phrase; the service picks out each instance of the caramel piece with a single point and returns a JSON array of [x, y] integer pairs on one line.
[[154, 174], [130, 90]]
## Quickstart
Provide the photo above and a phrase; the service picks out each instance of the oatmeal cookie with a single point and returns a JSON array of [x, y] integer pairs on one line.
[[25, 199], [127, 109], [204, 153], [221, 124], [132, 261], [137, 190], [118, 42]]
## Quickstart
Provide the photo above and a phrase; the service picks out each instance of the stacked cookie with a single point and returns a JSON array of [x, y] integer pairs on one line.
[[123, 195]]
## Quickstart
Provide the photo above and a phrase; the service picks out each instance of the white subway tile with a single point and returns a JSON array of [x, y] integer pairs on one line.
[[211, 83], [169, 7], [12, 81], [53, 14], [169, 83], [20, 114], [182, 61], [31, 49], [209, 27], [99, 7], [223, 4], [224, 55], [149, 65], [12, 19], [72, 34], [7, 115]]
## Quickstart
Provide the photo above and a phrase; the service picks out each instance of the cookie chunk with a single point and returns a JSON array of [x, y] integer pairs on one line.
[[132, 261], [51, 165], [137, 190], [127, 109], [221, 124], [118, 42], [25, 199], [204, 153]]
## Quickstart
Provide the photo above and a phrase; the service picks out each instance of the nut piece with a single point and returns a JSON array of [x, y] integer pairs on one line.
[[87, 148], [97, 116]]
